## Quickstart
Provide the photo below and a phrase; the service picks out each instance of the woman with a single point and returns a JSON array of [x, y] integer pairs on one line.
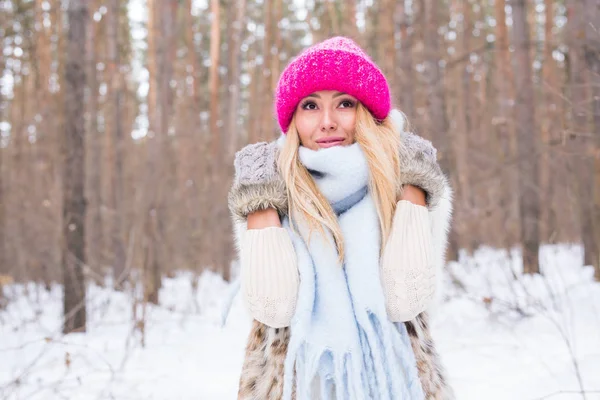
[[342, 226]]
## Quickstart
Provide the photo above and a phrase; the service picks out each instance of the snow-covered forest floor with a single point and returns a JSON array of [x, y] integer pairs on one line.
[[501, 335]]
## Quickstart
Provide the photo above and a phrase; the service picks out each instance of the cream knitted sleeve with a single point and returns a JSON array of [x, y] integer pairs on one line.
[[269, 275], [407, 270]]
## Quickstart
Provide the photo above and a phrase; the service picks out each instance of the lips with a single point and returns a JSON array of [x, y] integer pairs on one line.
[[330, 141]]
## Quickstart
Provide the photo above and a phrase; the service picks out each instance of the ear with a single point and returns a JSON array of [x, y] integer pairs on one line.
[[398, 120], [281, 140]]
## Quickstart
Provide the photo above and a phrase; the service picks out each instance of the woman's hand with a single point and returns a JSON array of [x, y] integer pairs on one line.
[[413, 194], [264, 219], [257, 185], [419, 168]]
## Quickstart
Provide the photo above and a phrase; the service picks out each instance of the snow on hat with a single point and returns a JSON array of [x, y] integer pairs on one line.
[[334, 64]]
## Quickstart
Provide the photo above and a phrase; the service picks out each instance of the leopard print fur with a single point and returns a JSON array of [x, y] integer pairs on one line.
[[262, 372]]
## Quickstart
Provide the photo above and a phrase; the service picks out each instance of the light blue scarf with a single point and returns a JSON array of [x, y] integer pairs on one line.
[[341, 339]]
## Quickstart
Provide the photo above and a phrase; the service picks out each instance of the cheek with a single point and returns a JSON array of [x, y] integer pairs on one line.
[[305, 128], [303, 131], [349, 124]]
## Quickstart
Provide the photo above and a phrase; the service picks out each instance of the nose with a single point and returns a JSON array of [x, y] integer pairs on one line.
[[327, 123]]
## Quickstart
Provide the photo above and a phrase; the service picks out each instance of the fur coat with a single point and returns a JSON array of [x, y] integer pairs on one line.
[[263, 367]]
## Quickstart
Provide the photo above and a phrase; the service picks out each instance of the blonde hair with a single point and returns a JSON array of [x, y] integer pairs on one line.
[[380, 143]]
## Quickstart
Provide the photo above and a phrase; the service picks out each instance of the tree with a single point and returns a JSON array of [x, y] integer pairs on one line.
[[548, 127], [437, 122], [405, 87], [505, 129], [578, 143], [74, 204], [350, 29], [436, 96], [527, 140], [460, 135], [387, 42], [115, 145], [234, 65], [94, 150], [3, 258], [592, 43], [215, 45], [266, 123]]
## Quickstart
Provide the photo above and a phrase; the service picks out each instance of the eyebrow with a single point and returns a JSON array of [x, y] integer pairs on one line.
[[338, 94]]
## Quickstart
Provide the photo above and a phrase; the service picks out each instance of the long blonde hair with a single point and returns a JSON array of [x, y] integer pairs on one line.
[[380, 143]]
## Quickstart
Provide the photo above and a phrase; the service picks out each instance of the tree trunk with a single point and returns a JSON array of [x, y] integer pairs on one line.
[[215, 45], [254, 134], [94, 156], [151, 207], [215, 171], [467, 107], [372, 38], [266, 121], [191, 181], [234, 63], [3, 247], [74, 205], [166, 62], [115, 147], [547, 128], [18, 174], [579, 162], [593, 60], [436, 97], [275, 62], [527, 134], [406, 82], [349, 21], [505, 130], [332, 18], [3, 263], [387, 44], [459, 137]]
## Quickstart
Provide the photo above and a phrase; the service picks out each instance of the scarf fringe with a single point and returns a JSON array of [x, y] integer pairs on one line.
[[345, 373]]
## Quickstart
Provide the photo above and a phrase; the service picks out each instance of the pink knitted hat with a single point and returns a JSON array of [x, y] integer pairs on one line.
[[334, 64]]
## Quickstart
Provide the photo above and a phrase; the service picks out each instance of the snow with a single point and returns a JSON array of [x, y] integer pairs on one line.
[[533, 337]]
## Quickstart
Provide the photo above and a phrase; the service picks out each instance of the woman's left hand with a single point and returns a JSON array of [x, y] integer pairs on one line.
[[413, 194], [419, 168]]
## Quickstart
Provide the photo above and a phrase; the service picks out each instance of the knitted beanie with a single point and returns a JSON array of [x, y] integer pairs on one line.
[[334, 64]]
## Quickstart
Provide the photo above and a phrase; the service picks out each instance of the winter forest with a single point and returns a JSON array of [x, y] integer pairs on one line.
[[119, 121]]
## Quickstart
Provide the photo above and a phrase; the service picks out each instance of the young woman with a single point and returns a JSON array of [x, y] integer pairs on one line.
[[342, 226]]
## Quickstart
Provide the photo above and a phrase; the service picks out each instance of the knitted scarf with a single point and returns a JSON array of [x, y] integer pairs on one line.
[[342, 344]]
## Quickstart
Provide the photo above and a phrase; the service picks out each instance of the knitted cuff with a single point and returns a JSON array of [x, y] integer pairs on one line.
[[419, 167], [269, 276], [246, 199], [407, 270]]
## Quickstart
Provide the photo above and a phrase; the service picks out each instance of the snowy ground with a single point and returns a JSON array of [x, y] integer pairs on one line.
[[500, 338]]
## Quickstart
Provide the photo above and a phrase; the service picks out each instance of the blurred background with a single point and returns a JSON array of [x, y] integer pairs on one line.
[[119, 120]]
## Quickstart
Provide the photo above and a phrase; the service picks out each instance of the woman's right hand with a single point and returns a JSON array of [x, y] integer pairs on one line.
[[256, 163], [264, 219]]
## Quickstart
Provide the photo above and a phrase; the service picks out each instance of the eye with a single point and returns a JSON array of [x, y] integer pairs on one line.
[[347, 104], [309, 105]]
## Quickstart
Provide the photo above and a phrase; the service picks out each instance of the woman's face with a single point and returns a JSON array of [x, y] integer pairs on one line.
[[326, 118]]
